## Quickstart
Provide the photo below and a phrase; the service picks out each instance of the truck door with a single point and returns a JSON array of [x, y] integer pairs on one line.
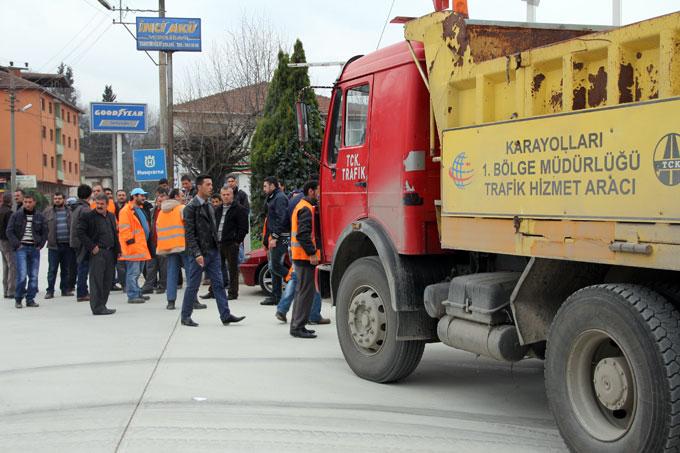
[[344, 183]]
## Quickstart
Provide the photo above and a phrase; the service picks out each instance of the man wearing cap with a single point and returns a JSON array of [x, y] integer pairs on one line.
[[133, 234]]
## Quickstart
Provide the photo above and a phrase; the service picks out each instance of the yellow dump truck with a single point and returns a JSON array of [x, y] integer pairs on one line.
[[513, 190]]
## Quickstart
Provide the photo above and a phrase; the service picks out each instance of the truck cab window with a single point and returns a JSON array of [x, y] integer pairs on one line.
[[335, 136], [357, 116]]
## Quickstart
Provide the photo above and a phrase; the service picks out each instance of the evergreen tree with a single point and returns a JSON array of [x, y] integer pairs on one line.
[[276, 150], [108, 95], [69, 92], [97, 147]]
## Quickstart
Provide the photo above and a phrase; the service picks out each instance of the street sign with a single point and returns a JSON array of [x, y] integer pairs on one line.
[[117, 118], [169, 34], [27, 182], [149, 164]]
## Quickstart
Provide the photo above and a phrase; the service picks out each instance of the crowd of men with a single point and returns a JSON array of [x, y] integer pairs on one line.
[[100, 242]]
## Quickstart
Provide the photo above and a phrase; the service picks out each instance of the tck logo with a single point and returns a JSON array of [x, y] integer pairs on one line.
[[667, 159], [461, 171], [149, 161]]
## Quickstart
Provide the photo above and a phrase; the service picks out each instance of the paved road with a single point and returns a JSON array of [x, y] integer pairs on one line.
[[139, 382]]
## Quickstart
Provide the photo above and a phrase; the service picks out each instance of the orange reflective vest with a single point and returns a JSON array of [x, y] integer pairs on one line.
[[131, 236], [170, 231], [296, 250], [109, 206]]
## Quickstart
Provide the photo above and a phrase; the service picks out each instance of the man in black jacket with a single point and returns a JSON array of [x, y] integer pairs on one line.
[[232, 228], [99, 239], [202, 246], [59, 253], [276, 236], [9, 266], [27, 232], [82, 207]]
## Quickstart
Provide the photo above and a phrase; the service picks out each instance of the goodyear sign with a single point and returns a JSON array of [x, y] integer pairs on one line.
[[117, 118], [149, 164], [169, 34], [620, 163]]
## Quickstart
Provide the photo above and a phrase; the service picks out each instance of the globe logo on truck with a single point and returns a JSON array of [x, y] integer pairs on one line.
[[461, 171], [667, 159]]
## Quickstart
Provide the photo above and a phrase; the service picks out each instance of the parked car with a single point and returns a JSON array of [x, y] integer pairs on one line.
[[255, 270]]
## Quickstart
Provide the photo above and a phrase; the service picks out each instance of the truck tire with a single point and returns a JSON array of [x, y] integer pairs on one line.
[[612, 370], [367, 325]]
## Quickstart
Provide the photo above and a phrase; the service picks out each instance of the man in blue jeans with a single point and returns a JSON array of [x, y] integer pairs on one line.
[[276, 236], [27, 232], [59, 254], [287, 300], [201, 241]]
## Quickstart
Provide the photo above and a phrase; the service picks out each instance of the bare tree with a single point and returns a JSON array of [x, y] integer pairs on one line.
[[224, 97]]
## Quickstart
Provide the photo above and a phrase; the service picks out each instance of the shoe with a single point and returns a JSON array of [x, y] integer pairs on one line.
[[321, 321], [159, 291], [199, 306], [116, 288], [232, 297], [136, 300], [49, 296], [269, 301], [307, 330], [83, 299], [67, 293], [146, 297], [209, 295], [232, 319], [30, 303], [18, 305], [147, 291], [106, 311], [281, 317], [299, 333], [171, 305], [9, 297], [189, 322]]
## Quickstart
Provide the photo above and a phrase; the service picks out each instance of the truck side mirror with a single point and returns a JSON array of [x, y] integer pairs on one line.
[[302, 126]]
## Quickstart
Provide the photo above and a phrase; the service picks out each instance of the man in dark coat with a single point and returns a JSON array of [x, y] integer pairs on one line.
[[99, 239], [9, 265], [276, 236], [60, 254], [232, 228]]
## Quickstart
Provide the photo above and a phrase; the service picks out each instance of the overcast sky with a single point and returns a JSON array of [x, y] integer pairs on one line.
[[79, 32]]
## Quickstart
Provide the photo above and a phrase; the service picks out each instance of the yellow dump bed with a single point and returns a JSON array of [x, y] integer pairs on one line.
[[564, 150]]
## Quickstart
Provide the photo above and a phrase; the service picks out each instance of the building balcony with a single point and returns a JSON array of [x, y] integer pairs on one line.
[[60, 174], [82, 157], [60, 149], [58, 122], [82, 132]]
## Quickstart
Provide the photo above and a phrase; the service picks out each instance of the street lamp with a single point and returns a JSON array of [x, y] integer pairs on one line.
[[12, 108]]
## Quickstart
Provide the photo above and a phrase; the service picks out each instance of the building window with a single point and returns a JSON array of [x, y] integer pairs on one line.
[[42, 104], [51, 135], [76, 165], [44, 160], [69, 142], [50, 108], [75, 143], [68, 117], [63, 139], [44, 132], [62, 113], [70, 167], [52, 161]]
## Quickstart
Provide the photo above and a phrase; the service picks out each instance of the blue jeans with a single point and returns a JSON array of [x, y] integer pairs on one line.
[[59, 258], [212, 265], [83, 270], [175, 262], [28, 264], [289, 295], [277, 266], [241, 253], [133, 270]]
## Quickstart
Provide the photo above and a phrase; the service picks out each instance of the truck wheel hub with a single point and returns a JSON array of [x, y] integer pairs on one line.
[[612, 382], [367, 320]]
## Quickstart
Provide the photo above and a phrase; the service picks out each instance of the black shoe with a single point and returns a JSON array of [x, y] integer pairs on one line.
[[116, 288], [106, 311], [232, 319], [232, 297], [307, 330], [199, 306], [146, 297], [159, 291], [49, 296], [189, 322], [269, 301], [171, 305], [18, 305], [136, 300], [67, 293], [147, 291], [281, 317], [299, 333], [30, 303], [209, 295]]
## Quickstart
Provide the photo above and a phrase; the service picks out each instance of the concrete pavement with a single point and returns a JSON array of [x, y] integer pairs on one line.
[[138, 381]]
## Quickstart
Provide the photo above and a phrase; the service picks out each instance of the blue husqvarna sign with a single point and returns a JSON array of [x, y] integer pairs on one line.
[[149, 164], [117, 118]]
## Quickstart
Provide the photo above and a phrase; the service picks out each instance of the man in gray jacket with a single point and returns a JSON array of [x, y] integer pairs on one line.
[[59, 252]]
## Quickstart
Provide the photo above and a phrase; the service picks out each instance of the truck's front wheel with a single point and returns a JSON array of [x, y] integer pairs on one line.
[[367, 325], [612, 370]]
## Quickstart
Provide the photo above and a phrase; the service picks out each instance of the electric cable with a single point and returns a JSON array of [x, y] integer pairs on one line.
[[387, 20]]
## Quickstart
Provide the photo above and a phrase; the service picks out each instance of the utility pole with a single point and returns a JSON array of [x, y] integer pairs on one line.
[[12, 100], [169, 136], [531, 9], [616, 13], [163, 92]]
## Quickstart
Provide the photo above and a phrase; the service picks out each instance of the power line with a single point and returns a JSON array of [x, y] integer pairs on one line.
[[387, 20], [84, 52]]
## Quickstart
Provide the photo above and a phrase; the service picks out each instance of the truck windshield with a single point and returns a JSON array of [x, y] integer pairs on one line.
[[335, 136], [356, 114]]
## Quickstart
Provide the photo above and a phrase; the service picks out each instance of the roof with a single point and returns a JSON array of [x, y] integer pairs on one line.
[[22, 83], [246, 100], [380, 60]]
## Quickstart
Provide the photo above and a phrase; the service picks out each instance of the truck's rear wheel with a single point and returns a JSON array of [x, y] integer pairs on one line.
[[367, 325], [612, 370]]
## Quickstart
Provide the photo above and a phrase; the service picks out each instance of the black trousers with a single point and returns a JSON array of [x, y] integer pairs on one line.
[[229, 251], [304, 296], [101, 275]]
